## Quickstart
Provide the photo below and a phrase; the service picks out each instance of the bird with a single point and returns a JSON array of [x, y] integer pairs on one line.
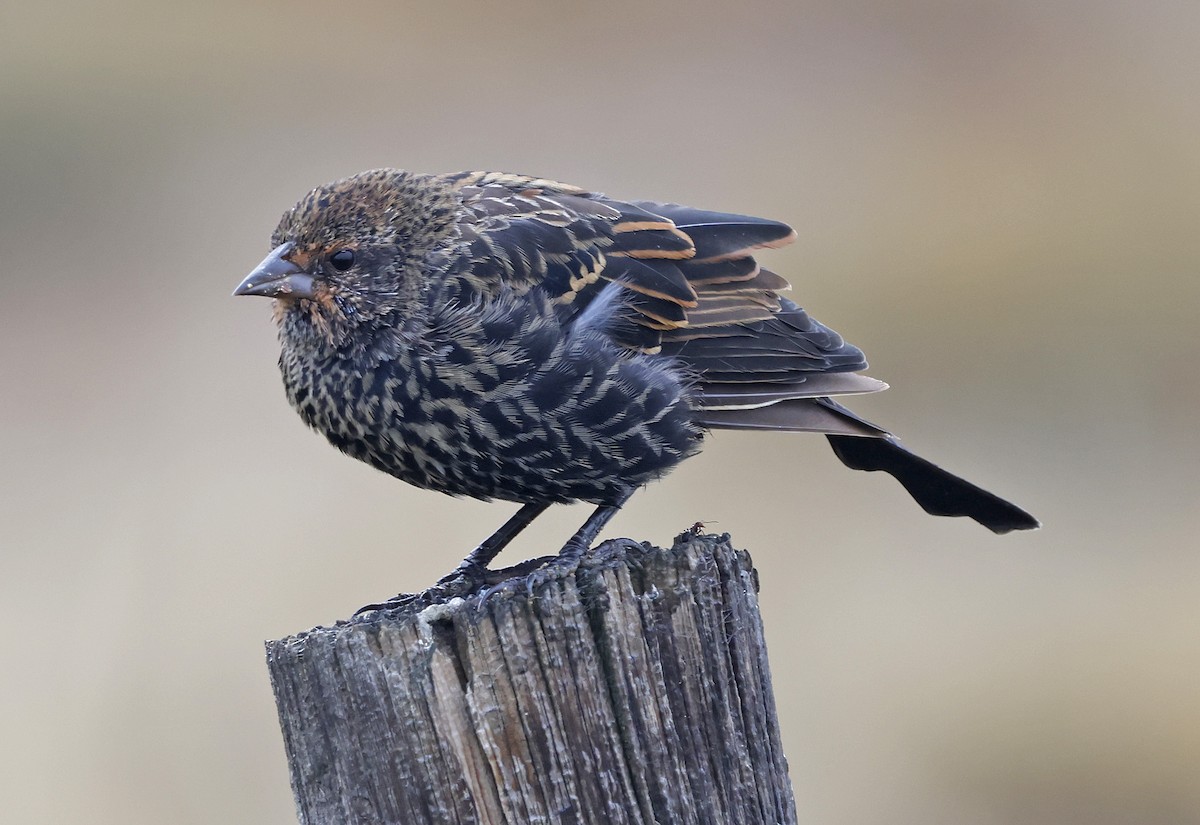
[[502, 336]]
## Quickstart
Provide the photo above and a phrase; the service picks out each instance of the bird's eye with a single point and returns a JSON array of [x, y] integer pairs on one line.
[[342, 260]]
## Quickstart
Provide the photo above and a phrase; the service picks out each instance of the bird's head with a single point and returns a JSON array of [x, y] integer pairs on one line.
[[349, 255]]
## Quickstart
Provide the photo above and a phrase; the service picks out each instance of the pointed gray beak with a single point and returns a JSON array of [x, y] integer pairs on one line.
[[277, 277]]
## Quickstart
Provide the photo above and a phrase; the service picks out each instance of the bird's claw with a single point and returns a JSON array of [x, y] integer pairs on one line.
[[466, 580], [473, 579], [529, 579]]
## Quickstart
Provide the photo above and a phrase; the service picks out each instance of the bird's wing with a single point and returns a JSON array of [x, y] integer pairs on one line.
[[691, 290], [691, 287]]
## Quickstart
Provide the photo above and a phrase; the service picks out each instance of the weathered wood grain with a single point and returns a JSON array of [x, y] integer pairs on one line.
[[634, 689]]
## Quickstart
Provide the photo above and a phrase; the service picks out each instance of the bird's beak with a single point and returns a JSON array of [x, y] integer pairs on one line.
[[277, 277]]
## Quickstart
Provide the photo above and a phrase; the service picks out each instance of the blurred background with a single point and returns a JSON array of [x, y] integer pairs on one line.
[[997, 201]]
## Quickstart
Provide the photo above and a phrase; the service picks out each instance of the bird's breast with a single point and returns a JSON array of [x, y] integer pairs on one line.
[[517, 408]]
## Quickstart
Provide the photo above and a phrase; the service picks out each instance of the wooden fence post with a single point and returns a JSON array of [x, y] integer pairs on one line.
[[633, 690]]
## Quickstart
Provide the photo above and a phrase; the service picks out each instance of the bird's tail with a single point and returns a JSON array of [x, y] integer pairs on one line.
[[939, 492], [859, 444]]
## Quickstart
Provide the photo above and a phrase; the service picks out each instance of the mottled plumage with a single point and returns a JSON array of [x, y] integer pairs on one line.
[[501, 336]]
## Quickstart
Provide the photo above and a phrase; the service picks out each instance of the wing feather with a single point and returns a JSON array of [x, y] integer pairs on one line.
[[691, 288]]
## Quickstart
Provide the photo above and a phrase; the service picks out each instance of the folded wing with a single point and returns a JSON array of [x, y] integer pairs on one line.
[[692, 290]]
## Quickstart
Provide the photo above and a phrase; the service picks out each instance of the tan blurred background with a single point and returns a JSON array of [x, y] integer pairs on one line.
[[998, 201]]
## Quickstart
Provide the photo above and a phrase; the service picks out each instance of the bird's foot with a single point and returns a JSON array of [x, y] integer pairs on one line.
[[526, 585], [464, 581], [473, 577], [531, 576]]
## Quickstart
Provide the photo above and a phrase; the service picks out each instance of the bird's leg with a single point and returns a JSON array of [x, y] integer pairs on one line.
[[581, 542], [482, 555], [471, 572], [570, 554]]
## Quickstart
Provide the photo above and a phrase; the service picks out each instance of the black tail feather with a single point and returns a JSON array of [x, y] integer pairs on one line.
[[939, 492]]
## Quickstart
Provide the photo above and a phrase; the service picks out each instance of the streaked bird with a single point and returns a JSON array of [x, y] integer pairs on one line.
[[509, 337]]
